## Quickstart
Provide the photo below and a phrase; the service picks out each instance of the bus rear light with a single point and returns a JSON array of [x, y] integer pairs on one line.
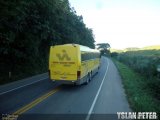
[[78, 74]]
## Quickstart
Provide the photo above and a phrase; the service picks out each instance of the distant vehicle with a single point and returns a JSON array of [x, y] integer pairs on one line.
[[73, 63]]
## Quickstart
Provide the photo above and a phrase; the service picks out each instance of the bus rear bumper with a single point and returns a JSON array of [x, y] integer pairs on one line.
[[71, 82]]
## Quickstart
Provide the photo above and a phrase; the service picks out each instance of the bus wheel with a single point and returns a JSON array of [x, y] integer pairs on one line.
[[98, 69], [90, 76], [88, 79]]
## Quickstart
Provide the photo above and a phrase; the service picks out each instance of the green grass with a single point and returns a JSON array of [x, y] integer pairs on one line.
[[138, 94]]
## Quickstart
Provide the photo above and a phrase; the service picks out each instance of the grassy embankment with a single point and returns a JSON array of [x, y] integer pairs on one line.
[[140, 78], [136, 86]]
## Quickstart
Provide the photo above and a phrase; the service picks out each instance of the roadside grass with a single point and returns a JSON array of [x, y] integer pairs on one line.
[[140, 97]]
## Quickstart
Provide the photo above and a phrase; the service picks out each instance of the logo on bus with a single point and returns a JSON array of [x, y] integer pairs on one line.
[[63, 56]]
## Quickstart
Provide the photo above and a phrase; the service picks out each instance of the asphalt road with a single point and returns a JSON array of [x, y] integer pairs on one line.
[[103, 97]]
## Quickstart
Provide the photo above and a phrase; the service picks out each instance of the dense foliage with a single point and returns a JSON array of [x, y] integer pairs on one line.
[[29, 28], [144, 62]]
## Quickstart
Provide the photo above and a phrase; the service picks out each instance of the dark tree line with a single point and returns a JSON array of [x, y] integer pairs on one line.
[[29, 27]]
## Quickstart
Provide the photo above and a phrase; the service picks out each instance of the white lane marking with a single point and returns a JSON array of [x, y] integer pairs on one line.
[[95, 99], [22, 86]]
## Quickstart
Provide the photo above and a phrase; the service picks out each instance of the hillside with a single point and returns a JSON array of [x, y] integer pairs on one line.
[[153, 47], [156, 47]]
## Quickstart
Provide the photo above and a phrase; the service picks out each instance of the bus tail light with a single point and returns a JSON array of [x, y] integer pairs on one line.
[[78, 74]]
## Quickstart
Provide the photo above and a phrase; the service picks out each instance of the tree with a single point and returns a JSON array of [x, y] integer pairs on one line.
[[29, 28], [104, 48]]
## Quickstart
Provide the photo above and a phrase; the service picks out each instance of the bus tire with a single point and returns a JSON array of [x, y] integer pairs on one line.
[[90, 76], [98, 69], [88, 79]]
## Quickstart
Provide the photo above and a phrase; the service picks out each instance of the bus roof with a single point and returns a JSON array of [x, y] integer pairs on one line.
[[87, 49], [82, 48]]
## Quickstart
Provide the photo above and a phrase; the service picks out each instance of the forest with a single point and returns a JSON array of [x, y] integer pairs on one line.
[[29, 28]]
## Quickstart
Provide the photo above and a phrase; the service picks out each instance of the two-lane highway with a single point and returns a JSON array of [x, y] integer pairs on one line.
[[103, 95]]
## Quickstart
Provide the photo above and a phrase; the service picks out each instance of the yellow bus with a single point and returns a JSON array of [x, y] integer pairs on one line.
[[73, 63]]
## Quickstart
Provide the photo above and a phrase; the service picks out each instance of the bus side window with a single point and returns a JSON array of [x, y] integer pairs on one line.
[[88, 56]]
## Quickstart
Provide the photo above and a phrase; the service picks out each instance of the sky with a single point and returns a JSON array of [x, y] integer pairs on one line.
[[121, 23]]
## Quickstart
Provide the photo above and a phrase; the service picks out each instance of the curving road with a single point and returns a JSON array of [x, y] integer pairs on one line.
[[41, 98]]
